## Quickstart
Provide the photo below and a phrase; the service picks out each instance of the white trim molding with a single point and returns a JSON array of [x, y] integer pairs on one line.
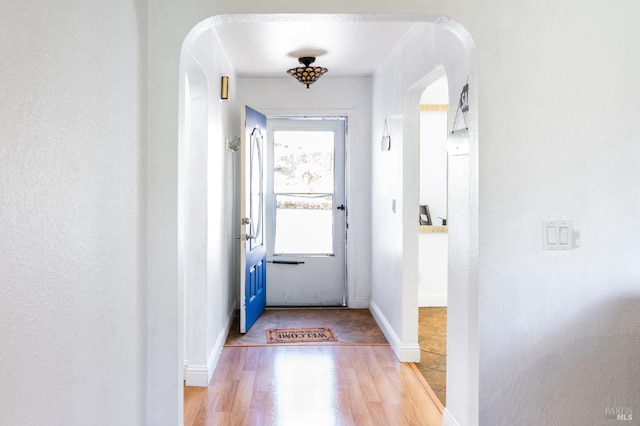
[[448, 420], [200, 375], [404, 352], [197, 375], [427, 300], [359, 303]]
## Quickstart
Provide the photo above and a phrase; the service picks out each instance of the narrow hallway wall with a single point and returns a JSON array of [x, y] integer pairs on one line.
[[207, 203]]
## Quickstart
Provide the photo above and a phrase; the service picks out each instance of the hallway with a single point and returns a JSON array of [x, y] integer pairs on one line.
[[356, 380], [321, 385]]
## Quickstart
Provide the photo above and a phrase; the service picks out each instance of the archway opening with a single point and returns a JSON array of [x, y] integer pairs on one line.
[[393, 293]]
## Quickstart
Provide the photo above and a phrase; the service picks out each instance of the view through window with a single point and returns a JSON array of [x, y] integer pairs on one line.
[[303, 187]]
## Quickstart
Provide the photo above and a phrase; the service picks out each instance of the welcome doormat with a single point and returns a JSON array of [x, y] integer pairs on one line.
[[297, 335]]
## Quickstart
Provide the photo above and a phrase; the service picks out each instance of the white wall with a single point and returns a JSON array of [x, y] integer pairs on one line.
[[207, 201], [433, 163], [433, 247], [559, 330], [433, 147], [72, 165], [349, 97]]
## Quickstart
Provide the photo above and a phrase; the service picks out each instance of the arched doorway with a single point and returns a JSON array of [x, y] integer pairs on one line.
[[456, 54], [397, 304]]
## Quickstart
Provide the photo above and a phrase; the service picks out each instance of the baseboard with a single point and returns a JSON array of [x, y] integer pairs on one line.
[[404, 352], [359, 303], [448, 420], [432, 300], [200, 375], [197, 375], [214, 356], [409, 353]]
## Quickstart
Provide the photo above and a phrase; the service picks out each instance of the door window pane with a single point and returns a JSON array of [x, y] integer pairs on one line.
[[304, 224], [303, 162], [303, 190], [256, 189]]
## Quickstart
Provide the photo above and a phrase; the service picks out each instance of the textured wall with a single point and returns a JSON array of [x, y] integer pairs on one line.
[[559, 330], [72, 325]]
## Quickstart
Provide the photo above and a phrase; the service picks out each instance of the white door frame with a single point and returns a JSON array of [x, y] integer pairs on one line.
[[337, 124], [352, 301]]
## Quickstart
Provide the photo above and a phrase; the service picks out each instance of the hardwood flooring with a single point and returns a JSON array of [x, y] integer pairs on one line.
[[432, 336], [311, 385]]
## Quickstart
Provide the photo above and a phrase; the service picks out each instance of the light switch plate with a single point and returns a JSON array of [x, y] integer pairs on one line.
[[557, 235]]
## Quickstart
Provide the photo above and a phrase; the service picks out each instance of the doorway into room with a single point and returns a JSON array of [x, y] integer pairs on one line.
[[433, 235], [397, 296], [306, 213]]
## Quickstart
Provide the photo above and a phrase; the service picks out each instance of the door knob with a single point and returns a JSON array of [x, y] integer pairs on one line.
[[340, 207], [245, 237]]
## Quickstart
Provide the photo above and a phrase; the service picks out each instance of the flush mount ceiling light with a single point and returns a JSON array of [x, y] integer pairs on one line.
[[307, 74]]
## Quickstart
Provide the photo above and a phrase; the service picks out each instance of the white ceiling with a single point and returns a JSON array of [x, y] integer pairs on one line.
[[347, 49]]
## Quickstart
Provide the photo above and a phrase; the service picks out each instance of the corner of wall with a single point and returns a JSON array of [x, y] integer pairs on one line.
[[216, 351], [200, 375], [359, 303], [404, 352], [448, 419]]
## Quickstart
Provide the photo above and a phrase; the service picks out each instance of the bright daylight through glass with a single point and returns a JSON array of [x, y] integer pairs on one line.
[[303, 182]]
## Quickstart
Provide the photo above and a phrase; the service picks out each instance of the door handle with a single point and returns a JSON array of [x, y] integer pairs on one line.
[[340, 207], [245, 237]]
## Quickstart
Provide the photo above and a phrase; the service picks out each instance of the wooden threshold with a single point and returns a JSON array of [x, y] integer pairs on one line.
[[427, 388]]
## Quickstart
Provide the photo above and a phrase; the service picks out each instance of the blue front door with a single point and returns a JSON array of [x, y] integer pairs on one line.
[[253, 265]]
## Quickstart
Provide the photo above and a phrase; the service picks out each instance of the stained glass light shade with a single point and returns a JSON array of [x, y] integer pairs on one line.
[[307, 74]]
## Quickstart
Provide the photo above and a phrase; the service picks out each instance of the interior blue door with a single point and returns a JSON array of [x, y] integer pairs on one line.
[[253, 264]]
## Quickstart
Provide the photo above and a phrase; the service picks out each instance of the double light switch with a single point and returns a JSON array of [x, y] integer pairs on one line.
[[557, 235]]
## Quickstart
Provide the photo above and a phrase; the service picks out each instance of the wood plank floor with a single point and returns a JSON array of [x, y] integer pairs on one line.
[[432, 336], [311, 385]]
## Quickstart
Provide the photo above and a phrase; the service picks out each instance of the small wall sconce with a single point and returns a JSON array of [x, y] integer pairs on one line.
[[224, 87]]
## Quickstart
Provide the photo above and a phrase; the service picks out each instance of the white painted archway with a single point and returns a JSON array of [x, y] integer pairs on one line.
[[400, 320], [462, 326]]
